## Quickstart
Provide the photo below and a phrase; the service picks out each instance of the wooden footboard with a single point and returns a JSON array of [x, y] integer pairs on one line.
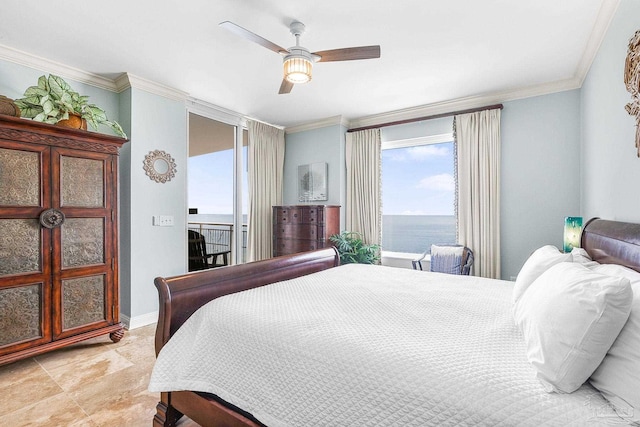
[[181, 296]]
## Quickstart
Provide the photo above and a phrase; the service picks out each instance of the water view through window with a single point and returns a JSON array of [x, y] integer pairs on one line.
[[418, 196], [416, 233]]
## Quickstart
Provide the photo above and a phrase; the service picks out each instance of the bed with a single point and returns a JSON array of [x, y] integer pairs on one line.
[[301, 340]]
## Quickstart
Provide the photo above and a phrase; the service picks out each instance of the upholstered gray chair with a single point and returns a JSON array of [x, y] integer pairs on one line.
[[451, 259]]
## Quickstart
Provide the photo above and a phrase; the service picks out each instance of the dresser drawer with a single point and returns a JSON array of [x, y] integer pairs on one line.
[[290, 246], [299, 231], [313, 215], [287, 216]]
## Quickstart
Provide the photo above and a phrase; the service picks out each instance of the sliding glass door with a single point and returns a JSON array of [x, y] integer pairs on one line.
[[217, 193]]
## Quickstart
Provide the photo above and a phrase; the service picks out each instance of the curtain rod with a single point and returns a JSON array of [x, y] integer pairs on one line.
[[435, 116]]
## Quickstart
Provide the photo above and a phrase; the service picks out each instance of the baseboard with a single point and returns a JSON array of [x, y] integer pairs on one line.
[[139, 321]]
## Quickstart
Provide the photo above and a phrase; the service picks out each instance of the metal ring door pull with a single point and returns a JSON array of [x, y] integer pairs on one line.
[[51, 218]]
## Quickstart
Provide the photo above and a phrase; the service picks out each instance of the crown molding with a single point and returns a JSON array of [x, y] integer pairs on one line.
[[128, 80], [57, 68], [603, 21], [465, 103], [329, 121], [122, 82]]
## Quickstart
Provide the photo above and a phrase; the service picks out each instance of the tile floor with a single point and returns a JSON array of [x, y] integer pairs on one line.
[[92, 383]]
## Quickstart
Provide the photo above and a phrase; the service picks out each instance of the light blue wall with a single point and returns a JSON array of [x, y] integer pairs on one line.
[[317, 145], [540, 174], [610, 166], [540, 164], [125, 206], [157, 123]]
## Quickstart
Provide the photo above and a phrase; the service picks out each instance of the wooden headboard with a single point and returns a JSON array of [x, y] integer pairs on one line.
[[612, 242]]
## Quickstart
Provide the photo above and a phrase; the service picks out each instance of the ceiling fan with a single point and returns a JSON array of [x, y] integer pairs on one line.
[[297, 60]]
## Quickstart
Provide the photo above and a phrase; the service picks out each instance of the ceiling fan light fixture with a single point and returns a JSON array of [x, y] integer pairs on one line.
[[298, 60], [297, 68]]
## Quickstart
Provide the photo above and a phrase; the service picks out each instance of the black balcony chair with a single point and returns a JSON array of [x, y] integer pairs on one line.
[[443, 261], [199, 259]]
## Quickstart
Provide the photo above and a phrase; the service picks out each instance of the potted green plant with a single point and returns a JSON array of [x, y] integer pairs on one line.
[[353, 249], [54, 101]]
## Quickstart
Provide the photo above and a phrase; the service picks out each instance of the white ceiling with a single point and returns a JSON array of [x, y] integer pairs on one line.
[[432, 51]]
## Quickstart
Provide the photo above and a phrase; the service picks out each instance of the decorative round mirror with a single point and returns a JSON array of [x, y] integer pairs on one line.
[[159, 166]]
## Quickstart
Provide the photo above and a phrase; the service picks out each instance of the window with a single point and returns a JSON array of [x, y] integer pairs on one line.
[[418, 194]]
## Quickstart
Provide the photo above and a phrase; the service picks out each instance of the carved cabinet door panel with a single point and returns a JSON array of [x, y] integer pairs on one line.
[[25, 258], [83, 245]]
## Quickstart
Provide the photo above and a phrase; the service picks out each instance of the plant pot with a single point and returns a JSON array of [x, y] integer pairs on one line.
[[75, 121], [8, 107]]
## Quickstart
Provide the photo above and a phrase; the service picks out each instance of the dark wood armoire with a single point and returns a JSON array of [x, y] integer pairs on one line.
[[58, 237], [300, 228]]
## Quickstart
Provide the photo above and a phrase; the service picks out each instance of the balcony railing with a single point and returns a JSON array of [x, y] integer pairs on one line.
[[217, 236]]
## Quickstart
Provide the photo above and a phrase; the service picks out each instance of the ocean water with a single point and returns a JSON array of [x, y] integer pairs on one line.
[[416, 233], [400, 233]]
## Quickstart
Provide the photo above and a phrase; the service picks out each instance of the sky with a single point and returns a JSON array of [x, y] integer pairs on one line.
[[210, 183], [415, 181], [418, 180]]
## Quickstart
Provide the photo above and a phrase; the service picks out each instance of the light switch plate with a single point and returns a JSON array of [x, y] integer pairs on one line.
[[163, 220]]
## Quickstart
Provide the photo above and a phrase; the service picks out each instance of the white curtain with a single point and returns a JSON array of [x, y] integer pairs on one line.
[[478, 204], [266, 168], [364, 202]]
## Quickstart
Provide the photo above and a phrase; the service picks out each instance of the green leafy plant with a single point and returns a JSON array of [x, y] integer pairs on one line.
[[352, 248], [53, 100]]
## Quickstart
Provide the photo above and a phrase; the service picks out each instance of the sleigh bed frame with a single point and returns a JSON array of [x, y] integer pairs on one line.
[[608, 242]]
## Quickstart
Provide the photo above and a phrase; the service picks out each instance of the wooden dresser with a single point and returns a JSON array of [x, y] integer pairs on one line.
[[301, 228], [58, 237]]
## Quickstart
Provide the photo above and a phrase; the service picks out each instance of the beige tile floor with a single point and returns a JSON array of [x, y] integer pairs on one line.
[[92, 383]]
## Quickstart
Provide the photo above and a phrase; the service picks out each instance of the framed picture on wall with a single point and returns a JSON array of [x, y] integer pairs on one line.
[[312, 182]]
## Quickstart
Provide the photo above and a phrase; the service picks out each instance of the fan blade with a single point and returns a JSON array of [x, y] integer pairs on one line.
[[238, 30], [285, 87], [349, 53]]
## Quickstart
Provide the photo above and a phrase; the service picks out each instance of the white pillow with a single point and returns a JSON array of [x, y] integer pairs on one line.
[[618, 376], [569, 317], [538, 263], [581, 256]]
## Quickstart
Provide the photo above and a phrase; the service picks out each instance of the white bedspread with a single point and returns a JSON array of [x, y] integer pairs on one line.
[[370, 346]]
